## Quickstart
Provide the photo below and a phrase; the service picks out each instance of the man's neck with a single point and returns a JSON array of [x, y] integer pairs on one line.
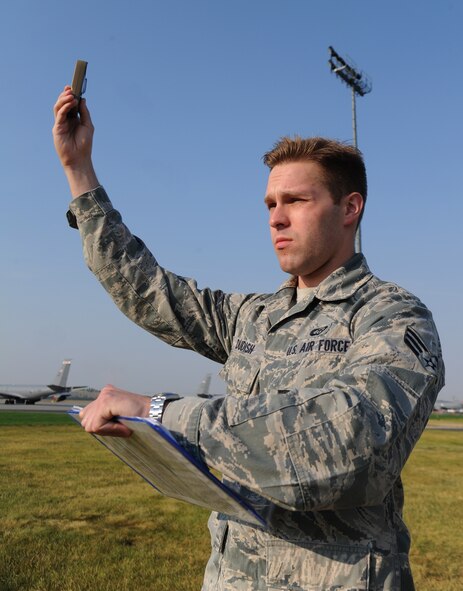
[[314, 279]]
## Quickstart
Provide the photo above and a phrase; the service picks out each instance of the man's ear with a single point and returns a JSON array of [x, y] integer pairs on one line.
[[353, 207]]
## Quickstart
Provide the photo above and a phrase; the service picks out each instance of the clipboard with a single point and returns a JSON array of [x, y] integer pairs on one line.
[[153, 453]]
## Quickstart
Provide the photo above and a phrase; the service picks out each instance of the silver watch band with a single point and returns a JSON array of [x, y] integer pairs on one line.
[[156, 407], [158, 403]]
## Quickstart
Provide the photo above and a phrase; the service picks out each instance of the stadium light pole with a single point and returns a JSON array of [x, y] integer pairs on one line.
[[360, 84]]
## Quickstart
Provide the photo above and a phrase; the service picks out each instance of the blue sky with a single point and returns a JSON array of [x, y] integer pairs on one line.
[[186, 97]]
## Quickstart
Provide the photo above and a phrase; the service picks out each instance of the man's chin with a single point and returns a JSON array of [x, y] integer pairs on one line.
[[294, 270], [290, 269]]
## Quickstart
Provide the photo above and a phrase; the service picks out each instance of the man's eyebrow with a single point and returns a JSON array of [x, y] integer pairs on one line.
[[268, 198], [288, 193]]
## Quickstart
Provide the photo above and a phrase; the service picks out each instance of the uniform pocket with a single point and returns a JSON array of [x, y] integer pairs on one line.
[[218, 529], [313, 567], [326, 461]]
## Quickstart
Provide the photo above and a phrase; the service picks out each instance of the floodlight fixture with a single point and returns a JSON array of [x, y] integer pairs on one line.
[[349, 74], [360, 84], [358, 81]]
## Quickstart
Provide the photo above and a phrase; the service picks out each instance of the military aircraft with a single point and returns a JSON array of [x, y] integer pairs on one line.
[[451, 406], [203, 389], [30, 395]]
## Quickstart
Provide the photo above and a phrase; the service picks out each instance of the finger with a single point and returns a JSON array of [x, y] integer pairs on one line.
[[63, 107], [97, 413], [114, 429], [97, 426], [65, 96], [85, 410], [85, 117]]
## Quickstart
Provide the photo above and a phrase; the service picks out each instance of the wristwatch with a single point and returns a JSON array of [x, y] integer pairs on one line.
[[159, 402]]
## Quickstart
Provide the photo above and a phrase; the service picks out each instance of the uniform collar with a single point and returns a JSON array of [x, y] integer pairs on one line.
[[338, 286], [345, 281]]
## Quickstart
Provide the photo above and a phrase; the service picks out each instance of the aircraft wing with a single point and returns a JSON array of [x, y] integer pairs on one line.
[[10, 396]]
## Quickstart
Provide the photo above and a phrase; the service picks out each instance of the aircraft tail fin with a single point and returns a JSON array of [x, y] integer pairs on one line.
[[62, 377], [203, 389]]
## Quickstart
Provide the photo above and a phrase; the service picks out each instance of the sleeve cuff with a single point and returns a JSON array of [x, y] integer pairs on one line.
[[88, 205], [182, 418]]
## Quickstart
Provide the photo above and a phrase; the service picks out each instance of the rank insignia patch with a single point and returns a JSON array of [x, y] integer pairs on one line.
[[413, 340]]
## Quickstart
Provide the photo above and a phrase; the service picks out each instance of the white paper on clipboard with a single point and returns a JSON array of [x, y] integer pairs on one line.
[[153, 453]]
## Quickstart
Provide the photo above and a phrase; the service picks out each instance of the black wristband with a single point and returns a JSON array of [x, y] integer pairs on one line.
[[72, 220]]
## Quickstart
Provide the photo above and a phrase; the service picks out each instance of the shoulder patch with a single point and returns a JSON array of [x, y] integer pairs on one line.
[[414, 341]]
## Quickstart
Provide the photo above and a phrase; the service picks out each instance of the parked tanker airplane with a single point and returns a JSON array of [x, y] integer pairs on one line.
[[202, 391], [30, 395]]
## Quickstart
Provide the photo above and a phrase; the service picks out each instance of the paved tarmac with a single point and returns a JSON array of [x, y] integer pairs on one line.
[[43, 406]]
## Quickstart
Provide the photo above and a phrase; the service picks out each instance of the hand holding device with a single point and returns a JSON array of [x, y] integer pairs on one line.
[[73, 134]]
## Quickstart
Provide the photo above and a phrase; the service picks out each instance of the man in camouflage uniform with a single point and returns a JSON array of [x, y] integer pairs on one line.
[[330, 380]]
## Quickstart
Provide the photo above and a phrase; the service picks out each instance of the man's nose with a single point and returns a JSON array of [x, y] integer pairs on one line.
[[278, 217]]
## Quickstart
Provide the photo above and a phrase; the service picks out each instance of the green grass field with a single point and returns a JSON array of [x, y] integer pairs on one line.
[[74, 518]]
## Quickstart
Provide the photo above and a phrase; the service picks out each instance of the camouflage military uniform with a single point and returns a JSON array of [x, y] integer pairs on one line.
[[326, 399]]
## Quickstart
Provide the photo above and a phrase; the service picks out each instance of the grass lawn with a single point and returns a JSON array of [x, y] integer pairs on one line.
[[74, 518], [433, 481]]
